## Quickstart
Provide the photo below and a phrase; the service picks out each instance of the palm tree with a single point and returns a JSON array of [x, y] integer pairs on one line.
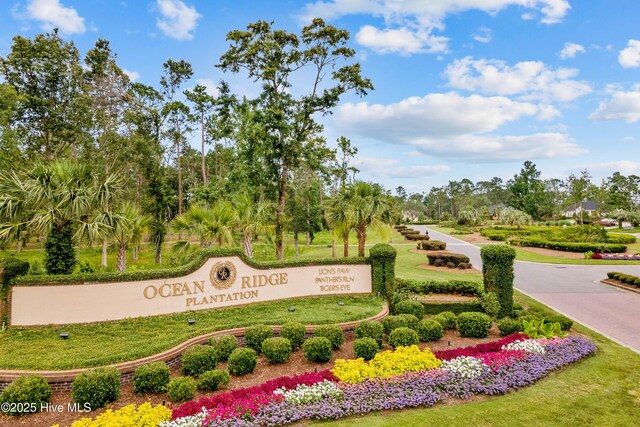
[[139, 225], [339, 217], [129, 223], [211, 225], [252, 219], [369, 206]]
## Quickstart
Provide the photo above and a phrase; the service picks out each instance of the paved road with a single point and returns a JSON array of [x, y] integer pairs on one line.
[[573, 290]]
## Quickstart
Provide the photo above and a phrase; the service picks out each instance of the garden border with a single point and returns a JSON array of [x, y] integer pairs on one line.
[[62, 380], [619, 284]]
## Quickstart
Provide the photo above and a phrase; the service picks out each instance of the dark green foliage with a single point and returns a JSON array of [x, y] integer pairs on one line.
[[333, 333], [199, 359], [60, 256], [242, 361], [604, 248], [28, 389], [625, 278], [454, 307], [508, 326], [181, 389], [276, 350], [383, 261], [625, 239], [294, 332], [397, 321], [490, 304], [365, 347], [447, 257], [86, 267], [497, 272], [223, 346], [565, 323], [403, 337], [317, 349], [254, 335], [151, 378], [96, 387], [429, 330], [474, 325], [458, 287], [447, 319], [432, 245], [12, 267], [213, 380], [370, 329], [410, 307]]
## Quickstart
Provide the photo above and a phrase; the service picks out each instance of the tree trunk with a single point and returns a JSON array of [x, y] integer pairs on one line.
[[362, 237], [179, 178], [282, 200], [308, 238], [204, 167], [136, 251], [247, 243], [333, 247], [121, 259], [345, 243], [19, 248], [104, 253], [295, 243]]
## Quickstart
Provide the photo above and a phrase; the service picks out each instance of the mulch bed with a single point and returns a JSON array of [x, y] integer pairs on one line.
[[621, 285], [263, 372]]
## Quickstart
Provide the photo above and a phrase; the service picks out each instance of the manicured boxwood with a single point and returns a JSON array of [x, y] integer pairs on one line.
[[333, 333], [223, 345], [403, 337], [383, 261], [28, 389], [432, 245], [254, 335], [410, 307], [365, 347], [401, 320], [458, 287], [276, 350], [447, 319], [454, 307], [497, 273], [626, 239], [12, 267], [447, 257], [604, 248], [151, 378], [294, 332], [181, 389], [242, 361], [213, 380], [317, 349], [417, 236], [474, 325], [508, 326], [370, 329], [96, 387], [429, 330], [198, 359], [625, 278]]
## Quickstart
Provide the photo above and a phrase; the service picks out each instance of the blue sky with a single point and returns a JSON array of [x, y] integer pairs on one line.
[[464, 88]]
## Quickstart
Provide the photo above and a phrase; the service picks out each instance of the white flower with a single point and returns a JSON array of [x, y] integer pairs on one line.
[[465, 366], [527, 345], [189, 421], [303, 394]]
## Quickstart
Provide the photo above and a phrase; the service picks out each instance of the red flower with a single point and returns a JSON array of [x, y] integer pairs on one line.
[[475, 350]]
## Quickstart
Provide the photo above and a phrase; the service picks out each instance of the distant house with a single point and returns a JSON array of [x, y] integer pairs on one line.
[[588, 207]]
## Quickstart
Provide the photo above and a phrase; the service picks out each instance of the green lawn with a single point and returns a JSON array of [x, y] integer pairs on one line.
[[524, 255], [603, 390]]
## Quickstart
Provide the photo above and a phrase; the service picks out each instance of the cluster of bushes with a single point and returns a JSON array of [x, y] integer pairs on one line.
[[449, 259], [458, 287], [411, 234], [568, 246], [625, 278], [432, 245]]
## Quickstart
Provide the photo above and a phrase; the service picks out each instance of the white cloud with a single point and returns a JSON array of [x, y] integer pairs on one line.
[[402, 40], [530, 80], [630, 56], [621, 106], [453, 126], [392, 168], [52, 14], [178, 20], [570, 50], [133, 75], [209, 85], [483, 35], [625, 167]]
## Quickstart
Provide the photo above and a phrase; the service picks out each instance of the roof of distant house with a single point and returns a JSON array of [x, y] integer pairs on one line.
[[587, 205]]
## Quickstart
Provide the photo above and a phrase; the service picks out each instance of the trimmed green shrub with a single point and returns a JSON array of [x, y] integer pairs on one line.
[[459, 287], [454, 307], [447, 257], [331, 332], [490, 304], [497, 273], [276, 350], [317, 349], [12, 267], [474, 325], [151, 378], [447, 319], [365, 347], [223, 346], [198, 359], [626, 239], [603, 248], [429, 330], [242, 361], [565, 323], [28, 389], [370, 329], [294, 332], [254, 335], [508, 326], [213, 380], [432, 245], [96, 387], [403, 337], [59, 253], [383, 261], [410, 307], [398, 321], [181, 389]]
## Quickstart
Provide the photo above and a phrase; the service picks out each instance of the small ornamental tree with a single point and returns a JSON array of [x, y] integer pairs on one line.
[[497, 272]]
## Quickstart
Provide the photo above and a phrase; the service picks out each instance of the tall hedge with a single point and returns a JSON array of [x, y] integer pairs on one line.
[[497, 273], [383, 262]]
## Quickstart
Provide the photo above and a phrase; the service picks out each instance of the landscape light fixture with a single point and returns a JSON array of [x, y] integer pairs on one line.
[[64, 335], [191, 321], [340, 303], [291, 309], [449, 343]]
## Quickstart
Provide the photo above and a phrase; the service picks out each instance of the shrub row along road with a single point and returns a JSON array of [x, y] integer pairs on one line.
[[573, 290]]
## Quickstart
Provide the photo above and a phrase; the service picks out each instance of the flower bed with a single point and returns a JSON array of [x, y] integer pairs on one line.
[[491, 369], [610, 257]]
